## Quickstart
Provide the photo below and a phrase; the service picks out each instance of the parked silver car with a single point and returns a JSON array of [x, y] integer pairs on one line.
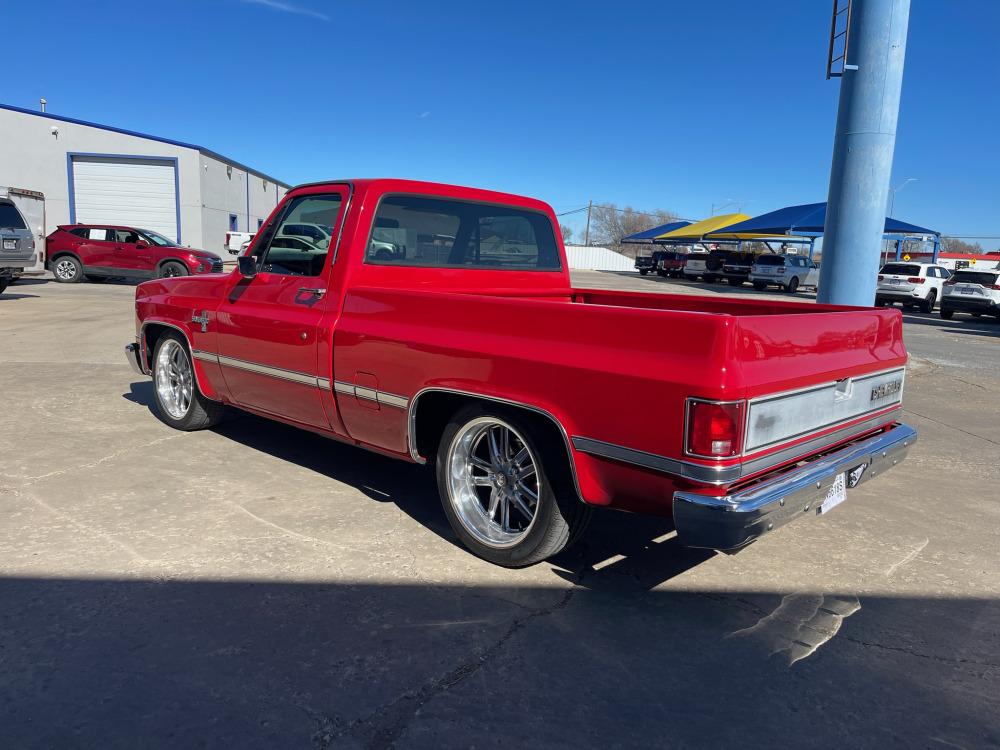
[[786, 271], [17, 245]]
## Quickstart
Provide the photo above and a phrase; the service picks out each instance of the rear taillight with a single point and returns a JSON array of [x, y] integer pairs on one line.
[[714, 428], [916, 280], [995, 286], [881, 277]]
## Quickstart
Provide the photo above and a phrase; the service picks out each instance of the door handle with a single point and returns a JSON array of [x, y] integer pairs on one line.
[[313, 290]]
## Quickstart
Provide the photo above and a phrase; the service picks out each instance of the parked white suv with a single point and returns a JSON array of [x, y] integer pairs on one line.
[[912, 284], [694, 266], [787, 271], [976, 292]]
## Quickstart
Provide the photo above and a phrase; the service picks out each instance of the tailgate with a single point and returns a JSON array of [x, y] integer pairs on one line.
[[805, 374]]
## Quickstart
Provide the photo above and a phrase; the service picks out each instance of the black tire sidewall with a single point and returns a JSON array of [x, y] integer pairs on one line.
[[527, 551], [172, 264]]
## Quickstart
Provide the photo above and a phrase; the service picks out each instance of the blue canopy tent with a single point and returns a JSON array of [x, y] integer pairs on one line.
[[648, 236], [809, 219]]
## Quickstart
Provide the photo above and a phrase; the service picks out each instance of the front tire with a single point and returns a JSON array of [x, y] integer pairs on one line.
[[506, 487], [67, 270], [643, 271], [179, 402], [171, 268], [947, 314]]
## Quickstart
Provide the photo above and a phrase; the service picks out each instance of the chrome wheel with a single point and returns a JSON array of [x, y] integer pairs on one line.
[[65, 270], [174, 379], [493, 482]]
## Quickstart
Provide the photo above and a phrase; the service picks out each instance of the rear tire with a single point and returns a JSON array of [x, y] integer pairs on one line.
[[4, 282], [760, 286], [179, 401], [643, 271], [506, 487], [792, 285], [927, 305], [710, 279], [67, 269], [947, 314], [171, 268]]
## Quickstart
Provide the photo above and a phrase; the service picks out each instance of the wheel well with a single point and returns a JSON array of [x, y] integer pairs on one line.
[[164, 262], [152, 334], [434, 409], [60, 253]]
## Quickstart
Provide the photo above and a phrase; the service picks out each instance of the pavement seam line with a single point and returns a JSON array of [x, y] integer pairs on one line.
[[392, 719]]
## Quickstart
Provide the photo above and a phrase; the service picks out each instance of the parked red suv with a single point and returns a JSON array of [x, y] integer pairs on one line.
[[98, 252]]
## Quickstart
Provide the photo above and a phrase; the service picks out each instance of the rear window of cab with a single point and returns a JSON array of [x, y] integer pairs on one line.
[[900, 269], [411, 230]]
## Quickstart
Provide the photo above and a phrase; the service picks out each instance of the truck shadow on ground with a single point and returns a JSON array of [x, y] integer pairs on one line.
[[620, 552], [155, 662]]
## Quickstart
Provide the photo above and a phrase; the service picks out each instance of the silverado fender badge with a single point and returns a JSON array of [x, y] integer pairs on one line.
[[203, 319], [854, 475]]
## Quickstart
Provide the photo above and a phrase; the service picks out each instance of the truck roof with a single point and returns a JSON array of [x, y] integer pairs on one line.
[[394, 184]]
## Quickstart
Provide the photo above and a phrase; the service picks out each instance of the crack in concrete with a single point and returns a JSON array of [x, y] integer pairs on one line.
[[93, 464], [381, 728], [920, 655], [950, 426]]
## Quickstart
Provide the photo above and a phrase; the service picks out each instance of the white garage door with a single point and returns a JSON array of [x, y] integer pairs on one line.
[[130, 192]]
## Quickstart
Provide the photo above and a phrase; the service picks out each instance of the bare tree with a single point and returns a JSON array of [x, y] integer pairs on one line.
[[609, 224], [955, 245], [567, 233]]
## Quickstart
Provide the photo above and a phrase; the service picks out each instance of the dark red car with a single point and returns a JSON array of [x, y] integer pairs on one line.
[[97, 252]]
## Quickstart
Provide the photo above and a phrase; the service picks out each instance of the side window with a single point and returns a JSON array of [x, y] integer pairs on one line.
[[125, 236], [81, 232], [413, 230], [284, 250], [100, 234], [944, 273]]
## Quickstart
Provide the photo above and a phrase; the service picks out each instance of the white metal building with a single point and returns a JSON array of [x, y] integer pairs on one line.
[[591, 258], [92, 173]]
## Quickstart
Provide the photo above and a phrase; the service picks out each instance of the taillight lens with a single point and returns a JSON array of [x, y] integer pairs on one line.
[[916, 280], [881, 277], [714, 428]]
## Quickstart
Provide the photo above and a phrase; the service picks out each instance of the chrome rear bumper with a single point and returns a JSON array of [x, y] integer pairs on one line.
[[133, 354], [733, 521]]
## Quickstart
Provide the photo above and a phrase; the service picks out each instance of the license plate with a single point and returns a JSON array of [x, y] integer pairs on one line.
[[835, 495], [960, 291], [896, 282], [10, 244]]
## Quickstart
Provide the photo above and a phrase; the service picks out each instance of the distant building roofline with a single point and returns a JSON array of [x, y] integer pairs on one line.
[[147, 136]]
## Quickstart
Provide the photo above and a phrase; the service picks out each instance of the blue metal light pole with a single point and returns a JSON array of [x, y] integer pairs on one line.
[[862, 151]]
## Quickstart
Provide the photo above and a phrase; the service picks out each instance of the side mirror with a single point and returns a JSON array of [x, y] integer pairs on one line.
[[247, 266], [140, 244]]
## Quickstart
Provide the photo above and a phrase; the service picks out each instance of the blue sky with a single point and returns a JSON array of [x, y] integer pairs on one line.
[[674, 105]]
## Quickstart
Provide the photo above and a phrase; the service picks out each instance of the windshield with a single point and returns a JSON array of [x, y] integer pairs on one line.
[[10, 217], [159, 239], [901, 269]]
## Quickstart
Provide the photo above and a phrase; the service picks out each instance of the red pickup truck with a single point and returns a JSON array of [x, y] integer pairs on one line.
[[438, 324]]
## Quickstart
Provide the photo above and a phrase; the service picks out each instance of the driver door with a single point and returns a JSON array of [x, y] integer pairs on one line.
[[127, 255], [269, 325]]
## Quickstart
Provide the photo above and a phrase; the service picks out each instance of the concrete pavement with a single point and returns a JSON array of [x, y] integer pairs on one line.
[[258, 586]]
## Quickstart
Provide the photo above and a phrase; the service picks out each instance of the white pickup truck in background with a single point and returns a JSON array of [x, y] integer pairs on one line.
[[235, 241]]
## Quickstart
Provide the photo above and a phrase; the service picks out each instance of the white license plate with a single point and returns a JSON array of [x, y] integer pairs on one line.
[[10, 244], [895, 281], [835, 495], [960, 291]]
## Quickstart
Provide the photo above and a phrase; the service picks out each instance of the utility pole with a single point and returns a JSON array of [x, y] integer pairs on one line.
[[586, 234], [863, 147]]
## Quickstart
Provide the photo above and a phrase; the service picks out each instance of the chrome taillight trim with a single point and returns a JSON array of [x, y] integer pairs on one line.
[[740, 428]]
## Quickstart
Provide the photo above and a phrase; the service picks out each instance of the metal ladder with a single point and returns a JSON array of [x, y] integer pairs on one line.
[[840, 27]]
